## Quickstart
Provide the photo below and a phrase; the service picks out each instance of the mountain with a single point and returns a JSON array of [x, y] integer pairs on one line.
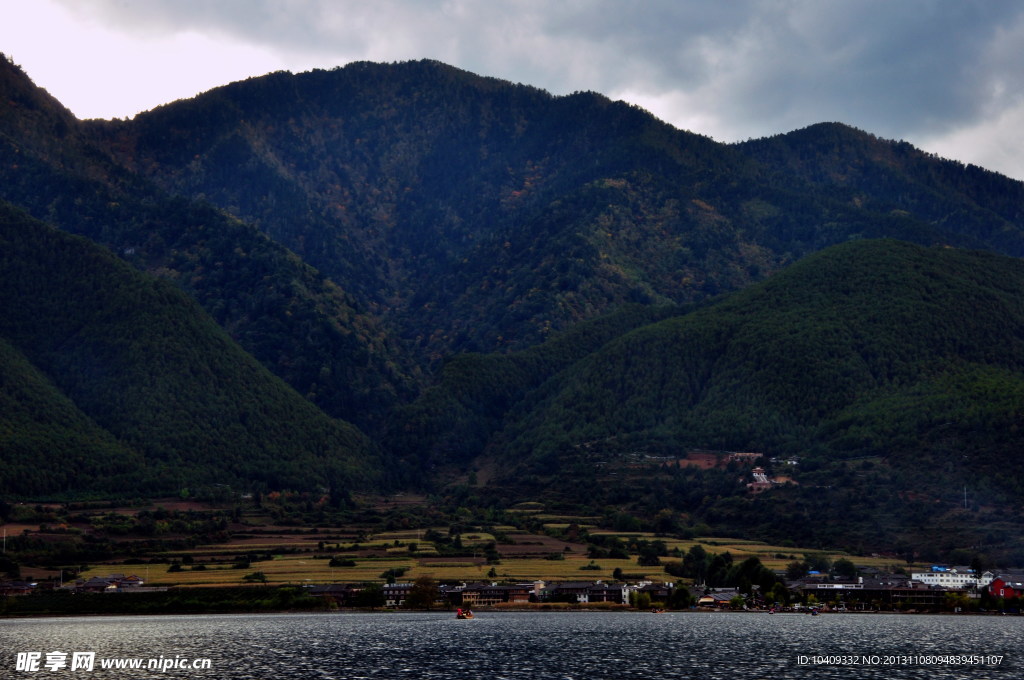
[[452, 421], [418, 173], [39, 423], [812, 347], [893, 373], [114, 380], [446, 212], [300, 325], [975, 207], [551, 290], [472, 214]]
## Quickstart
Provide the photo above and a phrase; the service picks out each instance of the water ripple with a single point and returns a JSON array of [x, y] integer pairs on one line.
[[513, 646]]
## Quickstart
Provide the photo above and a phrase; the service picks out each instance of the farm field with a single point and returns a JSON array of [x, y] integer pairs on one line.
[[530, 557], [160, 542], [303, 570]]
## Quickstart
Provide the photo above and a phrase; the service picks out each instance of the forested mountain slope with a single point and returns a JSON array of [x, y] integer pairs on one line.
[[797, 361], [472, 214], [977, 207], [892, 373], [47, 444], [300, 325], [476, 271], [117, 381]]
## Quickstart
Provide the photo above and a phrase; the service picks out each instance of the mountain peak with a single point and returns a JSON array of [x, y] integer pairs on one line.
[[24, 97], [352, 229]]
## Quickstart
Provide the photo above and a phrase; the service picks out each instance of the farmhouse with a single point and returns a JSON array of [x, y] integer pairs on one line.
[[1007, 585]]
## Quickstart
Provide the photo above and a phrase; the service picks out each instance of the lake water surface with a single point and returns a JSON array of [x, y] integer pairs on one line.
[[522, 645]]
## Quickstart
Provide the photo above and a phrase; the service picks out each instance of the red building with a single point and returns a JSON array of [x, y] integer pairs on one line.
[[1007, 586]]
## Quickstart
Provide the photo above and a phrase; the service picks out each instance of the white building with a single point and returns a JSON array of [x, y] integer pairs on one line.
[[953, 577]]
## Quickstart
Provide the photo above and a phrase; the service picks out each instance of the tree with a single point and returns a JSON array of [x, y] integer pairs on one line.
[[666, 522], [10, 567], [695, 564], [957, 602], [370, 597], [718, 570], [681, 597], [648, 560], [844, 568], [393, 574], [779, 594], [797, 570], [338, 561], [423, 594], [818, 562], [650, 553]]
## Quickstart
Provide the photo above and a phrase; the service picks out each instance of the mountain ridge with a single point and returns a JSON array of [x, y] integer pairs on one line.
[[455, 264], [802, 366], [165, 397], [300, 325], [417, 171]]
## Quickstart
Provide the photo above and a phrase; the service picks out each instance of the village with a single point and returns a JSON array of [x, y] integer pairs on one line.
[[531, 560], [939, 589], [956, 589]]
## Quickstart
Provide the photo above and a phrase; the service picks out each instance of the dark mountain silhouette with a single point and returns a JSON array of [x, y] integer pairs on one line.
[[118, 381], [891, 372], [477, 272], [474, 214]]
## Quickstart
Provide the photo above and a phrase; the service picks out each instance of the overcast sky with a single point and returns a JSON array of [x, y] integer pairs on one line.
[[945, 75]]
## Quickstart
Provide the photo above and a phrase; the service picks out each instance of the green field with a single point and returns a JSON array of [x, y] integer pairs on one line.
[[252, 545], [304, 568]]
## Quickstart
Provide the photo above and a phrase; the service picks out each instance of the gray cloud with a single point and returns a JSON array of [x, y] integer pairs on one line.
[[913, 69]]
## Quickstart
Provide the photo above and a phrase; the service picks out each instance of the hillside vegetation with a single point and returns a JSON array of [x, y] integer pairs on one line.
[[112, 376], [412, 275], [798, 360], [303, 327], [526, 212], [892, 373]]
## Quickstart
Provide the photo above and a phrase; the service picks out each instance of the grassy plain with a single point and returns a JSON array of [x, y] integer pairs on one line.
[[252, 546], [309, 564], [291, 569]]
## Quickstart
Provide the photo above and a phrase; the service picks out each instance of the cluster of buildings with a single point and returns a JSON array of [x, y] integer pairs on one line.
[[758, 481], [470, 595], [930, 589], [934, 588], [108, 584], [114, 583], [923, 590]]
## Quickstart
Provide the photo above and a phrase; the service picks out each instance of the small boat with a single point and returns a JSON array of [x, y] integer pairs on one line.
[[463, 613]]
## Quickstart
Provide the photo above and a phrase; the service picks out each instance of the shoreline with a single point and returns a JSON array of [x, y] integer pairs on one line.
[[109, 608]]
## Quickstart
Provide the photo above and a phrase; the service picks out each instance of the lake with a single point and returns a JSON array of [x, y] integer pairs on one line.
[[587, 645]]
